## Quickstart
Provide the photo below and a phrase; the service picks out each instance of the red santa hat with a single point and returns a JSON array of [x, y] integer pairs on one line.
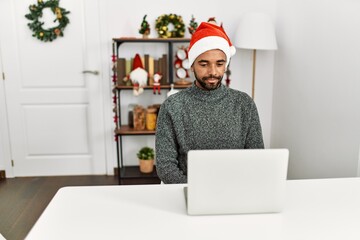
[[209, 36]]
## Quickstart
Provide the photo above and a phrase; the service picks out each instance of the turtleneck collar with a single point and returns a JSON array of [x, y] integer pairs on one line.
[[208, 95]]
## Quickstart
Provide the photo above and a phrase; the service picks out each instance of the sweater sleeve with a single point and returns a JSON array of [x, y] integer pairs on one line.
[[254, 138], [167, 163]]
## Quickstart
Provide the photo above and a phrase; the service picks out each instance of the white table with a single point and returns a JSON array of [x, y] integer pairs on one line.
[[322, 209]]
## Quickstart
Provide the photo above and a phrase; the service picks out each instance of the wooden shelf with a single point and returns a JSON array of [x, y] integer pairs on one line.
[[126, 130], [144, 40], [182, 86], [132, 173]]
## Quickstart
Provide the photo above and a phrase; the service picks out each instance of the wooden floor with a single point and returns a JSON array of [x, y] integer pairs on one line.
[[22, 200]]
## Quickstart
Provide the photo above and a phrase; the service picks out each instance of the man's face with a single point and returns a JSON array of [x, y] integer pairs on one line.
[[209, 69]]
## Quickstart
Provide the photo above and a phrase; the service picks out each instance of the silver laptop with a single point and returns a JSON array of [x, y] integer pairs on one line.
[[236, 181]]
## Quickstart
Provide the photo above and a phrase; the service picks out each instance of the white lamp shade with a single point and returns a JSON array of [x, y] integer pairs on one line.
[[255, 31]]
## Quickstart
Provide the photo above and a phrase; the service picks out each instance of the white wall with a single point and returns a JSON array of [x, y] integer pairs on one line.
[[123, 19], [119, 19], [316, 106]]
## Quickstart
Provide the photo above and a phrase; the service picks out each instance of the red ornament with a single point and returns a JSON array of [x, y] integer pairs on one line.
[[115, 119]]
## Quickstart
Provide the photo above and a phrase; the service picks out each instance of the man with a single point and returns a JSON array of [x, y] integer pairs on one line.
[[207, 115]]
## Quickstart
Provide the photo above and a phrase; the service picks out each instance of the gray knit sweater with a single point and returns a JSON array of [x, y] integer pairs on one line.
[[197, 119]]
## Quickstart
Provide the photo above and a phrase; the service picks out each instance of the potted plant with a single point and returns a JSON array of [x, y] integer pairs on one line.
[[146, 159]]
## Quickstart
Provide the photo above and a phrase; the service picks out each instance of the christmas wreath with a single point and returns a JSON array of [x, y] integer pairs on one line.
[[162, 26], [36, 26]]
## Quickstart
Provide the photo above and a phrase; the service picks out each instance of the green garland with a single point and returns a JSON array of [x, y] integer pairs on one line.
[[36, 26], [162, 28]]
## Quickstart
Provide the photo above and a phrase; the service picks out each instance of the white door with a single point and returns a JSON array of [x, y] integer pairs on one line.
[[54, 109]]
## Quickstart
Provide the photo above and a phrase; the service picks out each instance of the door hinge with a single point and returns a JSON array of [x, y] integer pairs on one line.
[[12, 163], [3, 76]]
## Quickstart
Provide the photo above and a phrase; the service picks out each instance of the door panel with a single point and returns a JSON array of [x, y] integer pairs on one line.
[[47, 128], [54, 110]]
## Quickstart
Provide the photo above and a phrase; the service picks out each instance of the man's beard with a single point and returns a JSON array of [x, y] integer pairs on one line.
[[209, 86]]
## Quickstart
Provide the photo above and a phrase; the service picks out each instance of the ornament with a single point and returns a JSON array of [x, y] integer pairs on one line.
[[144, 28], [49, 34], [162, 26], [193, 25]]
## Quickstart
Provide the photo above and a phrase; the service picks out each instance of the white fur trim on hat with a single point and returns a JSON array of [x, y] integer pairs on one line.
[[210, 43]]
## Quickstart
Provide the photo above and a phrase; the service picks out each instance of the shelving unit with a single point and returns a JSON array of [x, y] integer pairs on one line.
[[132, 172]]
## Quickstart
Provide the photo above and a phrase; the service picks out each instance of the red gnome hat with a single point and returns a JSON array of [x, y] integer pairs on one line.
[[137, 63], [138, 75]]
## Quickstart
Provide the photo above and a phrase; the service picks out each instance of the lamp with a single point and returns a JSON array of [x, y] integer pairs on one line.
[[255, 31]]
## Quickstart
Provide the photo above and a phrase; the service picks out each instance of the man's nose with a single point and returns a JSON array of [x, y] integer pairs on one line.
[[212, 70]]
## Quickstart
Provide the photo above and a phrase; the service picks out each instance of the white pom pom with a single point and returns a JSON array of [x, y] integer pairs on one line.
[[232, 51]]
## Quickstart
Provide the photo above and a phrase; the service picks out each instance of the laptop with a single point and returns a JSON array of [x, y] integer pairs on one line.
[[236, 181]]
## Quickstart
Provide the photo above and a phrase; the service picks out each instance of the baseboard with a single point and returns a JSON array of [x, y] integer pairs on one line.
[[2, 175], [116, 171]]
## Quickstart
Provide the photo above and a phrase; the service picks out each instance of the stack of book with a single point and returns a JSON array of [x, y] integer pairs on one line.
[[151, 65]]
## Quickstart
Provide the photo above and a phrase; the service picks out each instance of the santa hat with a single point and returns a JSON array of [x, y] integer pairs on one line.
[[209, 36]]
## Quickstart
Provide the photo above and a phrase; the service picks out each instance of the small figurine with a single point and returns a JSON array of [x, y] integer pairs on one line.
[[157, 78], [145, 28], [193, 25], [138, 76], [212, 21]]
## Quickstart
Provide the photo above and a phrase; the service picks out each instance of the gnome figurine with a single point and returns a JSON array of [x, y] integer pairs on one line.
[[138, 76]]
